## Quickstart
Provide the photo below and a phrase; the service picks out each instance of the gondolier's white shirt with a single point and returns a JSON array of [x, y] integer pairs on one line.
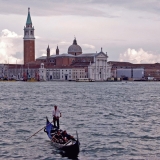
[[56, 113]]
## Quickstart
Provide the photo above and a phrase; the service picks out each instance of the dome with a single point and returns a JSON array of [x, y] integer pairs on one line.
[[75, 49]]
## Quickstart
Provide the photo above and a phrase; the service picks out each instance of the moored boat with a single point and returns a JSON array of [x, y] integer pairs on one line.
[[70, 148], [84, 80]]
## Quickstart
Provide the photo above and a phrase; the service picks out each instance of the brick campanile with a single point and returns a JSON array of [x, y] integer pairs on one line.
[[29, 40]]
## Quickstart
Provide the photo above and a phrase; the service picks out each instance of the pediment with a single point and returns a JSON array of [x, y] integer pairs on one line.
[[101, 55]]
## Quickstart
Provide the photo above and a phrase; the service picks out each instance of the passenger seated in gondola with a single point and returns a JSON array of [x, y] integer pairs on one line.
[[66, 136], [59, 138]]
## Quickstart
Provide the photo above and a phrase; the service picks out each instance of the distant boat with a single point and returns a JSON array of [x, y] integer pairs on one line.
[[84, 80], [70, 148], [32, 80]]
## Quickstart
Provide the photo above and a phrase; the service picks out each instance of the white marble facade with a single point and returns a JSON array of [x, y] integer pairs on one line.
[[100, 70]]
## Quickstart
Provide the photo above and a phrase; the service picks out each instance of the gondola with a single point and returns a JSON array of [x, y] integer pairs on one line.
[[70, 148]]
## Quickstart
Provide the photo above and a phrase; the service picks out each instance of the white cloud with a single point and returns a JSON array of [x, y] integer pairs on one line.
[[9, 47], [8, 34], [64, 43], [140, 56], [88, 46]]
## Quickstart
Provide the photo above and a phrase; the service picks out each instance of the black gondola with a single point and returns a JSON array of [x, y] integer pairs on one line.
[[70, 148]]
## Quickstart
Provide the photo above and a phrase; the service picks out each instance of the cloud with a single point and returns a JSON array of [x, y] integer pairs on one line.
[[10, 47], [64, 43], [58, 8], [8, 34], [140, 56], [104, 8], [88, 46]]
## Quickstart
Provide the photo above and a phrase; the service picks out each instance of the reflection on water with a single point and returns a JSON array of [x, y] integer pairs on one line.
[[68, 156], [114, 120]]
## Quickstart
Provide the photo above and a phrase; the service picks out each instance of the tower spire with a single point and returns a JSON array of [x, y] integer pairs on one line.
[[57, 50], [48, 52], [29, 21]]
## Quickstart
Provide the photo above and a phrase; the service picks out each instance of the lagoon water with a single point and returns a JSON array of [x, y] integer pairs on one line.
[[114, 120]]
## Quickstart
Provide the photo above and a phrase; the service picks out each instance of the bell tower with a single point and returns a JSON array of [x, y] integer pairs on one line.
[[48, 52], [29, 41], [57, 51]]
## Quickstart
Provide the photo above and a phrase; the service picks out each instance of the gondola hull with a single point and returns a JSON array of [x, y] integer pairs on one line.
[[70, 148]]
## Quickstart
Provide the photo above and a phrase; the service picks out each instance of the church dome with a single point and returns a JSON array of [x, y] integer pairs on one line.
[[75, 49]]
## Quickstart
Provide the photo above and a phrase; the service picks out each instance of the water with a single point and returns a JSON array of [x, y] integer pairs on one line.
[[114, 120]]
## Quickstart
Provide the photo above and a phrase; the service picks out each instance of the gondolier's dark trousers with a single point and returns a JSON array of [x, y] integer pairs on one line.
[[56, 120]]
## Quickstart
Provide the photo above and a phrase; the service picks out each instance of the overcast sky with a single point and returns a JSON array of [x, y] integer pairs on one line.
[[127, 30]]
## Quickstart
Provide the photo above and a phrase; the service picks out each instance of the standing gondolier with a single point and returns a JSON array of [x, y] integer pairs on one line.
[[56, 116]]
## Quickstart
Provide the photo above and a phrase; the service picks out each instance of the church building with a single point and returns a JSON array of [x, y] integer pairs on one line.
[[95, 65]]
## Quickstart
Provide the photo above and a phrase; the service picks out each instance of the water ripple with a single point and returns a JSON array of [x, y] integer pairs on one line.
[[114, 120]]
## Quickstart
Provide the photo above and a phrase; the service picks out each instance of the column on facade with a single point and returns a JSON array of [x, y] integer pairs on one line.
[[95, 73], [103, 65], [90, 72], [103, 69], [106, 68], [104, 77], [98, 70]]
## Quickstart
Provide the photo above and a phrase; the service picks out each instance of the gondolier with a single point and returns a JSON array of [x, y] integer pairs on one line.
[[56, 116]]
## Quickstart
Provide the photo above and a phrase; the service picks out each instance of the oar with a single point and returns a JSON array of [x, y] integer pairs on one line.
[[37, 131]]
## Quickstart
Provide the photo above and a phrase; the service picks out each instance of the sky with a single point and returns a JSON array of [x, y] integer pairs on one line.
[[127, 30]]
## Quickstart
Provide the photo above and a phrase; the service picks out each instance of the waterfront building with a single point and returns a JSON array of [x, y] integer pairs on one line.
[[146, 71], [70, 74], [130, 73]]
